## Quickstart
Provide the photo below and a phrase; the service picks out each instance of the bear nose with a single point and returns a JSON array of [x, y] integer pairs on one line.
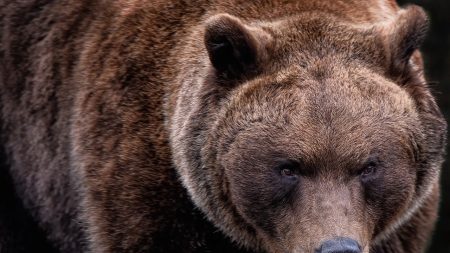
[[339, 245]]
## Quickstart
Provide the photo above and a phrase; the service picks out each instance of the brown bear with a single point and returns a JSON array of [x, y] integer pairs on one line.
[[278, 126]]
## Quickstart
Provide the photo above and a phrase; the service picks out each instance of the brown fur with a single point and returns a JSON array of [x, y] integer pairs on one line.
[[159, 126]]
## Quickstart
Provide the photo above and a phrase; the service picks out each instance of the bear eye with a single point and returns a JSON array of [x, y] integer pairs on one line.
[[287, 172], [368, 170], [288, 169]]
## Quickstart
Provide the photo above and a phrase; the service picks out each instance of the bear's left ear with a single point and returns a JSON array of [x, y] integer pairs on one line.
[[403, 37], [235, 49]]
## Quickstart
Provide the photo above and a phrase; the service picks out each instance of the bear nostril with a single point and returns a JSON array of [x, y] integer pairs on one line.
[[339, 245]]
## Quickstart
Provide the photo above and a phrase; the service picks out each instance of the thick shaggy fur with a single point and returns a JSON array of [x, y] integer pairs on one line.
[[142, 126]]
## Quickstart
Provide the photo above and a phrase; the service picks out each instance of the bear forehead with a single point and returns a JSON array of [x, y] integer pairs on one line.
[[325, 85], [348, 112]]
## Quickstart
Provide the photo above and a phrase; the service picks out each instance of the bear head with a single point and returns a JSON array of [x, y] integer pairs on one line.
[[307, 131]]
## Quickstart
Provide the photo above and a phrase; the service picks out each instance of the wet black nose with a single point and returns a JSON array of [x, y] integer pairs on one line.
[[339, 245]]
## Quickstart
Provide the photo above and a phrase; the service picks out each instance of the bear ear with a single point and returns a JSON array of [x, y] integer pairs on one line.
[[235, 50], [404, 36]]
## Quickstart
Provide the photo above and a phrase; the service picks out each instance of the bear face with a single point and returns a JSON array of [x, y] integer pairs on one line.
[[322, 162], [295, 132]]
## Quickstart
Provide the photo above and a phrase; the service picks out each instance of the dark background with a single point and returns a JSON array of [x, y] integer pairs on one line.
[[436, 52]]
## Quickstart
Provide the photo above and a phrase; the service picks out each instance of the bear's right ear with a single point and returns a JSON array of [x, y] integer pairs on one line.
[[235, 49]]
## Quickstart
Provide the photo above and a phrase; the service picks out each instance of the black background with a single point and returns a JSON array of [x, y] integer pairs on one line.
[[437, 62]]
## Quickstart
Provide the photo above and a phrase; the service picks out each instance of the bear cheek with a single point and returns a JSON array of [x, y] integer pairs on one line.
[[388, 196]]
